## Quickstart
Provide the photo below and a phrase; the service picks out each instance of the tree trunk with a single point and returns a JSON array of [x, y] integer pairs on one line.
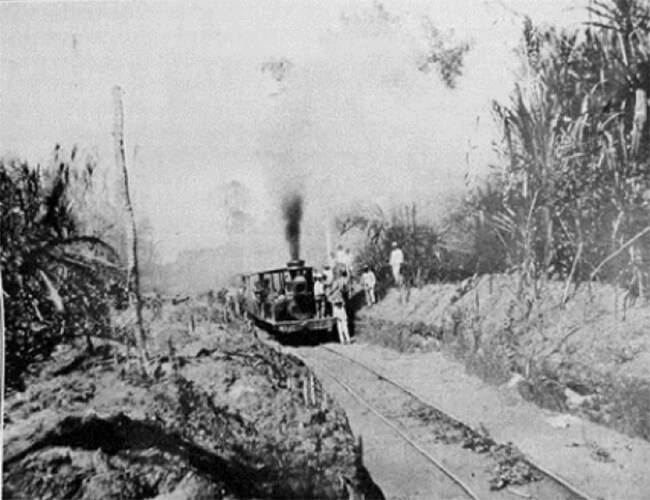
[[120, 159]]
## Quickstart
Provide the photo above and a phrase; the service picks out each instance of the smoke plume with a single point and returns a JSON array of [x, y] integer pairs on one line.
[[292, 212]]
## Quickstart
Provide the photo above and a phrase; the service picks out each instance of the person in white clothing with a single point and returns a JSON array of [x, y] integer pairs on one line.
[[338, 312], [338, 301], [369, 281], [396, 261]]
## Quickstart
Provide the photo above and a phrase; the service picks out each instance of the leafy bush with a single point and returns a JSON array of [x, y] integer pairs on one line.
[[57, 282]]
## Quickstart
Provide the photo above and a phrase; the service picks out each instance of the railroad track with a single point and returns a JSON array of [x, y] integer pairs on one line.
[[477, 466]]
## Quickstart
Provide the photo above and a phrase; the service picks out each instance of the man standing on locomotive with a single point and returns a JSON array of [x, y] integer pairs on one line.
[[341, 258]]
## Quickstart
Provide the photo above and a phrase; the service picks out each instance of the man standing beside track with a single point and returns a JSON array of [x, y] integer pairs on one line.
[[337, 297]]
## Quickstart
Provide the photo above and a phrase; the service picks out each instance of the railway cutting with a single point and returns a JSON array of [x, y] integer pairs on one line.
[[414, 450]]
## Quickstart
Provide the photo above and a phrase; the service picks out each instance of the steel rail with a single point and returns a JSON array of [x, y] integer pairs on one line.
[[543, 470], [404, 436]]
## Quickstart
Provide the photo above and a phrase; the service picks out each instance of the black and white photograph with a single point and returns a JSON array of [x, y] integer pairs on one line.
[[325, 249]]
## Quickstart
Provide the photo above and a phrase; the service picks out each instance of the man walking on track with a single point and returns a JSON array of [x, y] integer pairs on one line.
[[396, 261]]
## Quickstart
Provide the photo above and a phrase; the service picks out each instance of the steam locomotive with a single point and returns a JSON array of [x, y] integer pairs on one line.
[[282, 300]]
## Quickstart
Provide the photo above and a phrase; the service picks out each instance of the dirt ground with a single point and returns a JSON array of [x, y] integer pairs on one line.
[[600, 462], [590, 357], [490, 469], [222, 416]]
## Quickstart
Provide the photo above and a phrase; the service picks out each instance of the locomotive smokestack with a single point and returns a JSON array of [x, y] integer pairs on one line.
[[292, 210]]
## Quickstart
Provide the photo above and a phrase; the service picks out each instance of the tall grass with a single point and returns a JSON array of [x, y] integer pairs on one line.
[[570, 197], [574, 186]]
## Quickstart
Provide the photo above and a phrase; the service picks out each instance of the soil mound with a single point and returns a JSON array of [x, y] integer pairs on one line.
[[223, 416], [587, 355]]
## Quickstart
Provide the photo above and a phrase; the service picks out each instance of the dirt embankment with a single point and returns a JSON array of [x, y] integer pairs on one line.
[[223, 416], [590, 356]]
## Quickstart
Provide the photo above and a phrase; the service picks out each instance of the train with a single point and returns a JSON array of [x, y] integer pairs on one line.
[[282, 300]]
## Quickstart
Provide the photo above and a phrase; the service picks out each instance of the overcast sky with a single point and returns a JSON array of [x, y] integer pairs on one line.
[[354, 119]]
